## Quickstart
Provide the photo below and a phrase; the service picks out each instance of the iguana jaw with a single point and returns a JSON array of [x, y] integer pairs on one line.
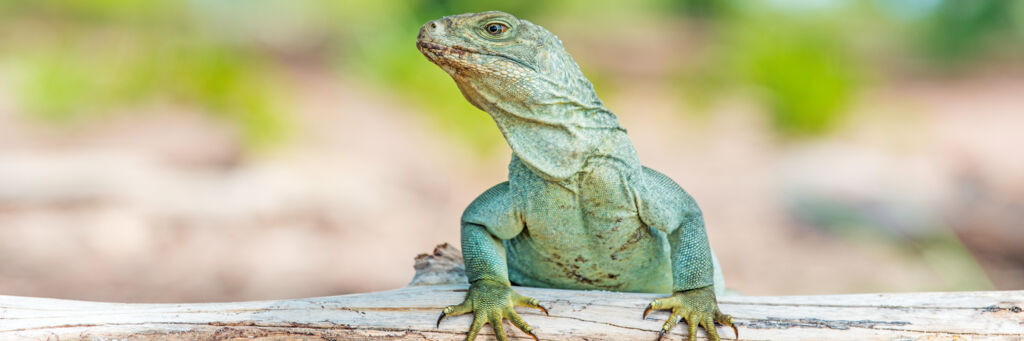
[[456, 59], [437, 52]]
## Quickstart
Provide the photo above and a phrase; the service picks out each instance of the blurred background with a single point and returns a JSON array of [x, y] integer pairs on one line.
[[173, 151]]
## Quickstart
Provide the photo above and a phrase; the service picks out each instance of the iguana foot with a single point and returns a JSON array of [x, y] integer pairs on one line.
[[491, 302], [698, 306]]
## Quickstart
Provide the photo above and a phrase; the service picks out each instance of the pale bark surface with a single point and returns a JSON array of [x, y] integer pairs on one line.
[[410, 313]]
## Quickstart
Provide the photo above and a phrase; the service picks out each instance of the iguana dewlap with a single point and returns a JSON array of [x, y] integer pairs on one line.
[[578, 211]]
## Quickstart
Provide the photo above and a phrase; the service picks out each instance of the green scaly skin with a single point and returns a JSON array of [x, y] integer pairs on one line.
[[578, 211]]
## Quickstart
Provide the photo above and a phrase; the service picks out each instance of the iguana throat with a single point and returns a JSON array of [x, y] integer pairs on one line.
[[546, 109]]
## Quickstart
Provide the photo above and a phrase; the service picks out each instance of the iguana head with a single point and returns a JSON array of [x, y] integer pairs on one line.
[[494, 56], [519, 73]]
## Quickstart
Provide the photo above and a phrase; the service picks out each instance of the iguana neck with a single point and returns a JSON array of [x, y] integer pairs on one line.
[[555, 135]]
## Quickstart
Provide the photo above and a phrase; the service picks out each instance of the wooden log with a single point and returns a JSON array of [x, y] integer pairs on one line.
[[410, 313]]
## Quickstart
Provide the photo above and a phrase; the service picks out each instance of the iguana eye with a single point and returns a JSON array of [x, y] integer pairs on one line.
[[495, 28]]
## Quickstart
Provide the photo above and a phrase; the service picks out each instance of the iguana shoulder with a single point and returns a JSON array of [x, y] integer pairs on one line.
[[662, 203]]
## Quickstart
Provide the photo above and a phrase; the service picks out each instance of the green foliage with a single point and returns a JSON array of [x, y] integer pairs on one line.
[[57, 88], [148, 52], [960, 30], [797, 64], [806, 77], [79, 59], [704, 9], [230, 85]]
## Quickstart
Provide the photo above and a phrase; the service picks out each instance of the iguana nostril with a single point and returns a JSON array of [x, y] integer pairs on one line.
[[436, 28]]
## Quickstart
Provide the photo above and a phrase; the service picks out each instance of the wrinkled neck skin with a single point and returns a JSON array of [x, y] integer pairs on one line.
[[554, 126]]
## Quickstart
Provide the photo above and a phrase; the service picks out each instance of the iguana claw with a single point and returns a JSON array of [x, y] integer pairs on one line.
[[726, 320], [439, 318], [698, 307], [545, 310]]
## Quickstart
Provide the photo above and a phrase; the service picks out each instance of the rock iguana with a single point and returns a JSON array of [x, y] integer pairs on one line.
[[578, 211]]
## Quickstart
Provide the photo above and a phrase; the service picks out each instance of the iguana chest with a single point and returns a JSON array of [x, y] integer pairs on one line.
[[596, 204], [583, 232]]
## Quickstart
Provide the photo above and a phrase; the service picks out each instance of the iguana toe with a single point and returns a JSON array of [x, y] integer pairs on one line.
[[698, 307], [523, 301], [726, 320], [455, 310], [491, 302]]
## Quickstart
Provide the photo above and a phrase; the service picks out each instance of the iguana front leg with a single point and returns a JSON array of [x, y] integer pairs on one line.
[[665, 206], [488, 220], [693, 297]]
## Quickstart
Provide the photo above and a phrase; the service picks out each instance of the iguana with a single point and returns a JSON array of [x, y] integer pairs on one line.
[[578, 211]]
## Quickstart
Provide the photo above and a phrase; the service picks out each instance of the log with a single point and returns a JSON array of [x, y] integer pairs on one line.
[[410, 313]]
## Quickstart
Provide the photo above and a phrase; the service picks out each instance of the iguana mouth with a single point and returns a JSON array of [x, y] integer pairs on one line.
[[438, 50], [435, 51]]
